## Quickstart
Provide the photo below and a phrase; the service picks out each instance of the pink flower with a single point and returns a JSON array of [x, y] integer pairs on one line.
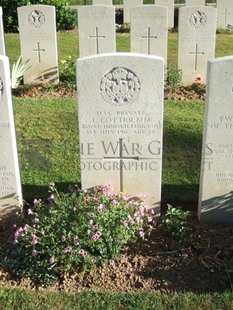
[[142, 234], [52, 184], [88, 231], [29, 211], [98, 234], [82, 252], [51, 197], [34, 239], [115, 202], [123, 257], [76, 242], [95, 237], [100, 208], [112, 262], [91, 222], [68, 249], [63, 238], [125, 223], [51, 260], [34, 252], [36, 201], [198, 78], [93, 260], [149, 219]]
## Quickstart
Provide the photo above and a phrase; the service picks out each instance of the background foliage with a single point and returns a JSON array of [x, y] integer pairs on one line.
[[65, 18]]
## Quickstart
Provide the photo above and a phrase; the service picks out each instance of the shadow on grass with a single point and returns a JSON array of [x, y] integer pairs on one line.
[[30, 192], [180, 195]]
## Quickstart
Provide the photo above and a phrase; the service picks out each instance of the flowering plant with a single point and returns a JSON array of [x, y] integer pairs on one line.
[[67, 71], [75, 231]]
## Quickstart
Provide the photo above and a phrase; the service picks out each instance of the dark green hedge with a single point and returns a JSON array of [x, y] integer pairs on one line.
[[66, 19]]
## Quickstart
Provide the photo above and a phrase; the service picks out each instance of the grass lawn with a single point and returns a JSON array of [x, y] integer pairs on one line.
[[50, 127], [47, 137]]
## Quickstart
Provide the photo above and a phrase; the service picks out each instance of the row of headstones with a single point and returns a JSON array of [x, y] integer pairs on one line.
[[149, 29], [121, 132], [224, 9], [149, 33]]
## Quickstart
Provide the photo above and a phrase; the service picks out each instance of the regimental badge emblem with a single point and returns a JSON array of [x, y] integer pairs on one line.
[[36, 18], [1, 87], [198, 19], [120, 86]]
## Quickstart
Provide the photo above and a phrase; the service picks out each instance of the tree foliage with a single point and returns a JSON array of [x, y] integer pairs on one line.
[[65, 18]]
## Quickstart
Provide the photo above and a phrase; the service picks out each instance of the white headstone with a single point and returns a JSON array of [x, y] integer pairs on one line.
[[196, 41], [224, 13], [216, 184], [96, 25], [102, 2], [120, 123], [171, 10], [195, 2], [2, 41], [10, 186], [38, 41], [128, 5], [149, 30]]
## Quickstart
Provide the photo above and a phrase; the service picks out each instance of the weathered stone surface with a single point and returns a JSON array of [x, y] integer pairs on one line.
[[196, 41], [120, 100], [38, 41], [2, 41], [10, 187], [216, 184], [149, 30], [96, 30]]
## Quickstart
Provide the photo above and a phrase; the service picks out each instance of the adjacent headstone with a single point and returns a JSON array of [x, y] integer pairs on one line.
[[2, 41], [171, 11], [102, 2], [10, 186], [96, 25], [128, 5], [120, 123], [196, 41], [224, 13], [195, 2], [149, 30], [38, 41], [216, 183]]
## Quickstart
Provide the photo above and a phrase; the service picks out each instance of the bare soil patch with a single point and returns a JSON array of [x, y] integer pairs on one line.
[[193, 92], [159, 264]]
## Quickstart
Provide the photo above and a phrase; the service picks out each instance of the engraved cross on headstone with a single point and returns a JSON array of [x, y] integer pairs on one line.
[[226, 13], [121, 158], [196, 53], [148, 37], [39, 50], [97, 36]]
